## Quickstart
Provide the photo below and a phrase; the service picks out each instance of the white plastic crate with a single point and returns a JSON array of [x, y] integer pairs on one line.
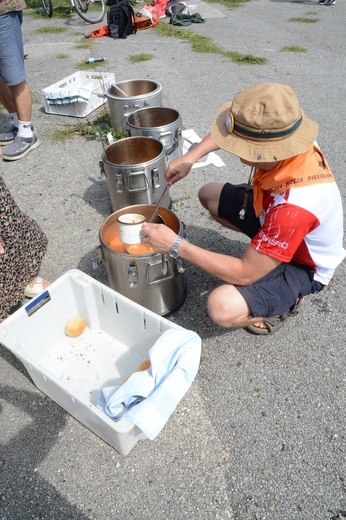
[[96, 82], [72, 371]]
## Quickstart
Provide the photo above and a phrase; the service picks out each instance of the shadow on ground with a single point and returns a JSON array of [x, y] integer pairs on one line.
[[31, 496]]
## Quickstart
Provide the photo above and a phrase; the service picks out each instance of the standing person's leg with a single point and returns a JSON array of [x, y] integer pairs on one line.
[[10, 72], [17, 101], [6, 98], [14, 78], [22, 97]]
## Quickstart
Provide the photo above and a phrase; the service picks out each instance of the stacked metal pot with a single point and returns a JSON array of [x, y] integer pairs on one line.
[[134, 168]]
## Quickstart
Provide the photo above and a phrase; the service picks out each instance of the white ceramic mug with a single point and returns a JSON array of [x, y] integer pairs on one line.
[[130, 226]]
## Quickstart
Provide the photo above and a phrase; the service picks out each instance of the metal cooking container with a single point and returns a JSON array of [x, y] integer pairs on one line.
[[161, 123], [134, 168], [155, 281], [129, 97]]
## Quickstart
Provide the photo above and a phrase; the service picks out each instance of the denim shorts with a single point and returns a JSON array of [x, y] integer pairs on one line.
[[279, 290], [12, 68]]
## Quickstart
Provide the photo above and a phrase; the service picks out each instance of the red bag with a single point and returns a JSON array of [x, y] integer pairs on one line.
[[98, 32], [144, 22]]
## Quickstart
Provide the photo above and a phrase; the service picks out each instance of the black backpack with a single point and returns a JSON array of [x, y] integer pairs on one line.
[[121, 19]]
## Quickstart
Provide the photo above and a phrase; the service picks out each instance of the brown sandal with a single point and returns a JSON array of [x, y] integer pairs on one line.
[[275, 323]]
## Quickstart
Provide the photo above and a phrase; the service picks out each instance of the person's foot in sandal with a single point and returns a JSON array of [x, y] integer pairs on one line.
[[270, 325], [35, 287], [266, 326]]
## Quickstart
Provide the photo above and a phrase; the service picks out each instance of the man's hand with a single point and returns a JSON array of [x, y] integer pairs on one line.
[[160, 237], [180, 167]]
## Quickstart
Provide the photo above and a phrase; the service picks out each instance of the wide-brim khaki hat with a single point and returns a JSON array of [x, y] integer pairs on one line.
[[264, 123]]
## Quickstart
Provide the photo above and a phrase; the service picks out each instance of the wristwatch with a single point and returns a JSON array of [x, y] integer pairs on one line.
[[174, 251]]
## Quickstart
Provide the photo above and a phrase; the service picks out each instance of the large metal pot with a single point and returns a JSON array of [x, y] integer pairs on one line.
[[155, 281], [134, 168], [128, 96], [161, 123]]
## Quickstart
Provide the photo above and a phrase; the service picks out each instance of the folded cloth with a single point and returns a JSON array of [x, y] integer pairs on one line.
[[190, 137], [68, 96], [149, 398]]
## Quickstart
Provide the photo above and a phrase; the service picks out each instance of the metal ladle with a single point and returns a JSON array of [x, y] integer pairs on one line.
[[121, 91], [153, 215], [151, 218]]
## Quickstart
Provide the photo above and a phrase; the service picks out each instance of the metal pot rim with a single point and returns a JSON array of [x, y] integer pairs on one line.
[[134, 165], [134, 209], [159, 128], [139, 96]]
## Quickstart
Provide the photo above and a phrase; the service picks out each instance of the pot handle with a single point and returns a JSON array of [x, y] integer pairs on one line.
[[175, 138], [170, 150], [133, 186], [156, 268]]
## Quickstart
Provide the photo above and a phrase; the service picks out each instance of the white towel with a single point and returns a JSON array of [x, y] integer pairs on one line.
[[189, 137], [148, 398], [67, 96]]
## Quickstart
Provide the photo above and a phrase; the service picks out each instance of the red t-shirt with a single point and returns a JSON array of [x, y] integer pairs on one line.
[[304, 225]]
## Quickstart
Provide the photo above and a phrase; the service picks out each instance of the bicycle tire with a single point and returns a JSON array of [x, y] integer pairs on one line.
[[88, 15], [47, 7]]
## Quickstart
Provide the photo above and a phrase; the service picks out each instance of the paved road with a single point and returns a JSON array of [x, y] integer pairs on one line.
[[261, 433]]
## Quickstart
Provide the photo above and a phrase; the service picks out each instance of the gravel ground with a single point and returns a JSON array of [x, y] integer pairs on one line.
[[261, 433]]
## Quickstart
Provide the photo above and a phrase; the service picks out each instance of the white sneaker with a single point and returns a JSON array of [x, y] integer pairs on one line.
[[326, 2]]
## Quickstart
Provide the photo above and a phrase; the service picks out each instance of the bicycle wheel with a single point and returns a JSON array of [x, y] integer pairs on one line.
[[91, 11], [48, 7]]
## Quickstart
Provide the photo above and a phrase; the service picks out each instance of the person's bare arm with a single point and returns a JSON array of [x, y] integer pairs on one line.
[[239, 271], [180, 167]]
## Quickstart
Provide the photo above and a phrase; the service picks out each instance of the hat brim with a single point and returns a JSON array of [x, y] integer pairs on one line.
[[267, 151]]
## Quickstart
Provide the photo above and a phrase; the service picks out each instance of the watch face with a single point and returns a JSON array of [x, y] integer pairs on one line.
[[173, 253]]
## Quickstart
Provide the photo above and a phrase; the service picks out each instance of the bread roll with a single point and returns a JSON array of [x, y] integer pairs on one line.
[[139, 249], [142, 366], [75, 327], [117, 245]]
